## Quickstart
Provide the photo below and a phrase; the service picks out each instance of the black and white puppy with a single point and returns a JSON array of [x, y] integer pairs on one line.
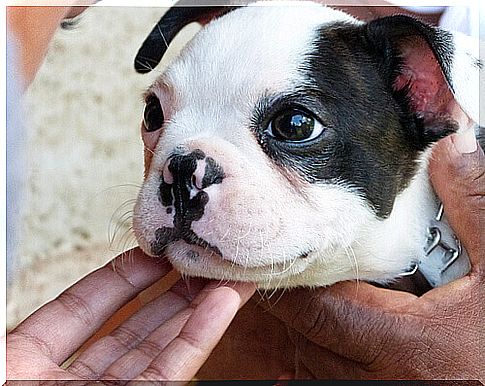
[[287, 145]]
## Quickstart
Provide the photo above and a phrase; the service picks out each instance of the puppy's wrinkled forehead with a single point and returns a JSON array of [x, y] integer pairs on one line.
[[251, 50]]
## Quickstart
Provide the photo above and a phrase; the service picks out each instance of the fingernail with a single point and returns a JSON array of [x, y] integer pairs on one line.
[[465, 142]]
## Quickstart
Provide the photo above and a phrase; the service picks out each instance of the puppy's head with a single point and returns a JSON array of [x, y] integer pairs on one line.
[[281, 133]]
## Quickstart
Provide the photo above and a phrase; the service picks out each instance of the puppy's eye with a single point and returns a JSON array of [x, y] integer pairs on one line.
[[294, 126], [152, 114]]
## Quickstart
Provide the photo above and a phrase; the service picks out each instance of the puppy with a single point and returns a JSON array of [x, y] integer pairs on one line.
[[287, 145]]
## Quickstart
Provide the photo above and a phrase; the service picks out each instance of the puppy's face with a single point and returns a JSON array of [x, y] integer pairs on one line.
[[274, 140]]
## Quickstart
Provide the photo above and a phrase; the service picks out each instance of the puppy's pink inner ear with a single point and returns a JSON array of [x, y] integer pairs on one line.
[[422, 75]]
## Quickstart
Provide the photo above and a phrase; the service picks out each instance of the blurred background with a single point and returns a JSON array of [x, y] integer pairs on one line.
[[84, 153]]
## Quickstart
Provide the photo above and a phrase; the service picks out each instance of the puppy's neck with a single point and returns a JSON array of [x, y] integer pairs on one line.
[[393, 244]]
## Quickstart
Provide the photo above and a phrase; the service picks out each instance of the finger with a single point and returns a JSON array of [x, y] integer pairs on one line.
[[61, 326], [354, 320], [95, 360], [135, 361], [317, 362], [457, 172], [212, 312]]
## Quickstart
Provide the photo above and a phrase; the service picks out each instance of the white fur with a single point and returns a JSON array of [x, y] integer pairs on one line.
[[262, 217]]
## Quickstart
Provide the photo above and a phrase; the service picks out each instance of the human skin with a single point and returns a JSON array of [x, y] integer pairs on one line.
[[168, 338], [33, 27], [354, 330]]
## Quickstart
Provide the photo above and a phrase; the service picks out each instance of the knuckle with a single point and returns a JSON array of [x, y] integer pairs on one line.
[[469, 167], [156, 373], [83, 370], [194, 343], [150, 349], [19, 336], [77, 307], [310, 318], [126, 337], [119, 269], [476, 183]]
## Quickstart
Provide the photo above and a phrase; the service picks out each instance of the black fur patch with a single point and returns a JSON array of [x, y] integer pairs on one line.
[[176, 18], [372, 139], [187, 209]]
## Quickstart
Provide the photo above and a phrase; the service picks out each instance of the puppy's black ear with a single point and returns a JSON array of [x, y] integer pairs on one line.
[[176, 18], [436, 71]]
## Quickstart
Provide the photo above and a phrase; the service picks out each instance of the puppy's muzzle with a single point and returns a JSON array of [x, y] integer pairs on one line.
[[182, 192]]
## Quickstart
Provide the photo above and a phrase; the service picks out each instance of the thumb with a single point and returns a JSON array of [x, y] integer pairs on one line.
[[457, 172]]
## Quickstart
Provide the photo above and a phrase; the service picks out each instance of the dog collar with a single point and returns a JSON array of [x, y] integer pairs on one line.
[[443, 258]]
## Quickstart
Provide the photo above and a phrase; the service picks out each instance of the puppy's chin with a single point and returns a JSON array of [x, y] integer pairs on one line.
[[196, 261]]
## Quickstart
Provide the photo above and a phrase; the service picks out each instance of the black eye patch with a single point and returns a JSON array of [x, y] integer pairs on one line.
[[365, 144], [152, 114]]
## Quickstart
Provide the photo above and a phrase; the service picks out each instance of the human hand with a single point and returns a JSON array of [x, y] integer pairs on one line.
[[169, 338], [357, 331], [33, 28]]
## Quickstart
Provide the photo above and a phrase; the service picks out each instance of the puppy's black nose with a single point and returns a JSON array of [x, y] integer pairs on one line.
[[180, 169], [184, 178]]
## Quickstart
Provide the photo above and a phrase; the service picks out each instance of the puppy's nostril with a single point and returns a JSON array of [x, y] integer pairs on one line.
[[193, 170], [198, 175], [166, 173], [213, 174]]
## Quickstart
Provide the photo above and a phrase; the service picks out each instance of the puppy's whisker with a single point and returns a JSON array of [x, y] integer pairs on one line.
[[273, 292], [265, 294], [286, 269], [146, 65], [125, 240], [121, 225], [281, 295], [113, 233], [237, 252], [129, 239], [118, 186], [223, 238], [121, 207], [282, 278], [122, 221], [260, 294], [349, 252], [162, 36]]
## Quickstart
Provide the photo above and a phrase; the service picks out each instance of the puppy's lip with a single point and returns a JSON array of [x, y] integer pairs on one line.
[[195, 255]]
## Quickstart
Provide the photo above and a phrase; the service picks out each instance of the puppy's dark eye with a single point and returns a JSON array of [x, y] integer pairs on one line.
[[152, 114], [294, 126]]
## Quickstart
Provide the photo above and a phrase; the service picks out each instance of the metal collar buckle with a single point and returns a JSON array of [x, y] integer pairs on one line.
[[448, 254], [442, 251]]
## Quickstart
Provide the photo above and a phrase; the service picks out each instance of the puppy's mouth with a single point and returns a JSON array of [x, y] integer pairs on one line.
[[165, 236], [196, 260]]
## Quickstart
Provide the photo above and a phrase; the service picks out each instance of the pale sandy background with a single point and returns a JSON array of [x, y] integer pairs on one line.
[[84, 153]]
